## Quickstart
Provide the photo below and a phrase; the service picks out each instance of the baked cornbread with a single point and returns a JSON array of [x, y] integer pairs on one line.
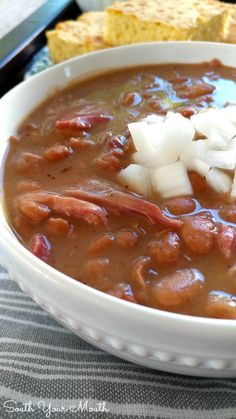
[[164, 20], [230, 26], [72, 38]]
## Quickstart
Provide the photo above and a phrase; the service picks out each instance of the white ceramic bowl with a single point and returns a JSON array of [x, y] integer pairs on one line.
[[157, 339], [91, 5]]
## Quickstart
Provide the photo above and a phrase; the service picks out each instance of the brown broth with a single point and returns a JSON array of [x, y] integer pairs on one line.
[[157, 89]]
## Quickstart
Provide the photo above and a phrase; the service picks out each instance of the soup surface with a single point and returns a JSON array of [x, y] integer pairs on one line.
[[65, 204]]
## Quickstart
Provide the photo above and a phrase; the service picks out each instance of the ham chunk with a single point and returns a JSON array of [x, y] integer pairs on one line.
[[115, 199], [36, 206], [198, 233], [178, 288], [40, 247], [81, 122]]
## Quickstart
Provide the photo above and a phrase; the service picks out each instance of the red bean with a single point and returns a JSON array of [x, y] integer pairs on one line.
[[57, 152], [166, 249], [194, 91], [108, 162], [27, 186], [198, 233], [181, 287], [126, 238], [58, 226], [131, 99], [221, 305], [228, 212], [101, 243], [35, 211], [27, 161], [179, 206], [187, 111], [81, 143]]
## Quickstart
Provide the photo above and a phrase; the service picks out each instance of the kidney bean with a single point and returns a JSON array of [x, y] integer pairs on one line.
[[40, 247], [159, 105], [27, 186], [181, 287], [198, 182], [35, 211], [97, 269], [57, 152], [108, 162], [81, 143], [228, 212], [131, 99], [187, 111], [198, 233], [126, 238], [179, 206], [58, 226], [101, 243], [138, 269], [194, 91], [221, 305], [226, 239], [165, 250], [27, 161]]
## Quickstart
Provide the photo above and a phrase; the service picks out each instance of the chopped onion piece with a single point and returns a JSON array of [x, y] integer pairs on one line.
[[171, 180], [136, 178], [229, 113], [233, 191], [138, 133], [150, 159], [153, 119], [221, 159], [218, 180], [216, 141], [204, 121], [194, 150], [199, 166]]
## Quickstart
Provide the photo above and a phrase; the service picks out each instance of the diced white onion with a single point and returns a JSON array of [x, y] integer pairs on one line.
[[171, 180], [221, 159], [199, 166], [194, 150], [138, 133], [218, 180], [149, 159], [153, 119], [136, 178], [166, 148], [204, 121], [216, 141]]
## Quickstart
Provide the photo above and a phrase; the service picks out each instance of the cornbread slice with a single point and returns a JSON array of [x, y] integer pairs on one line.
[[163, 20], [230, 26], [72, 38]]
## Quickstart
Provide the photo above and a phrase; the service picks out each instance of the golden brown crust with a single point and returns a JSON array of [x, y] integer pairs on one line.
[[72, 38], [150, 20]]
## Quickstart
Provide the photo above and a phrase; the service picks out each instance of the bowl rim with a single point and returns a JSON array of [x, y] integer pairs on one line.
[[19, 251]]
